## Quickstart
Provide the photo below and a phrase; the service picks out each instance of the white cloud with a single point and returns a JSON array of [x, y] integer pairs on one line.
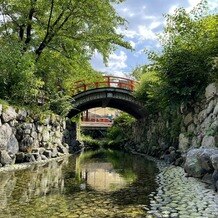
[[133, 44], [172, 9], [128, 33], [145, 33], [116, 63], [193, 3], [154, 25]]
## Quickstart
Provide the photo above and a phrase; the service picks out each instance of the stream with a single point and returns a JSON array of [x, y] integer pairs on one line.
[[101, 183]]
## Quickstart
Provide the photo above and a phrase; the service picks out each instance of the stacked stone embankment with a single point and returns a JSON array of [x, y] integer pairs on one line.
[[188, 136], [27, 137]]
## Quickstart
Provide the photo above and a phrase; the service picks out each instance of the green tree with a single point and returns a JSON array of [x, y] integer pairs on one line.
[[58, 37], [187, 62]]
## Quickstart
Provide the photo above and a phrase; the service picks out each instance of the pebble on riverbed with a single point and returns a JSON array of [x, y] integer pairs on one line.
[[179, 196]]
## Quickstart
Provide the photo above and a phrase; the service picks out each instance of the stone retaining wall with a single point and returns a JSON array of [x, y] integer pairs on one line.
[[200, 125], [192, 126], [27, 137], [187, 136]]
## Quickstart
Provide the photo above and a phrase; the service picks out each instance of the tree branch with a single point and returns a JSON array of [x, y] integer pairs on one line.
[[50, 16], [30, 18]]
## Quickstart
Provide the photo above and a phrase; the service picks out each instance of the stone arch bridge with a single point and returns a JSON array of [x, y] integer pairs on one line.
[[114, 92]]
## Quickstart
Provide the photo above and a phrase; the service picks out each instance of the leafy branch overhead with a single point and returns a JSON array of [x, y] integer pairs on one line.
[[59, 38], [187, 63]]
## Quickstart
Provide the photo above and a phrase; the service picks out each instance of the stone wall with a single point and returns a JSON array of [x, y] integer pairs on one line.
[[189, 127], [200, 125], [27, 137], [187, 136]]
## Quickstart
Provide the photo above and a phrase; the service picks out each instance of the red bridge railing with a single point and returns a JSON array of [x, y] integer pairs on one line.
[[107, 81]]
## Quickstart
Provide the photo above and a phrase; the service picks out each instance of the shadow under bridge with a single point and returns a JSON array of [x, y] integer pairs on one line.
[[115, 92]]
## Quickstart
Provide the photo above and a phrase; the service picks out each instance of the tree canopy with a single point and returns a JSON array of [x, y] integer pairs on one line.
[[187, 62], [46, 45]]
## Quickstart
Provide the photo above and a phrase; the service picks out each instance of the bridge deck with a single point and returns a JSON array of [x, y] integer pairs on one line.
[[95, 125]]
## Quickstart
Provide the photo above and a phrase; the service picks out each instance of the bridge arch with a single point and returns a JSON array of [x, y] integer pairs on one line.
[[114, 97]]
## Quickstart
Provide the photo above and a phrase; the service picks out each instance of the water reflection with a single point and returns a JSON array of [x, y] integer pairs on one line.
[[102, 177], [103, 170], [95, 184]]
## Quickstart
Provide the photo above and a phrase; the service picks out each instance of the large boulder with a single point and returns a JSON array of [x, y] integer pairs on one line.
[[198, 162], [9, 114], [7, 139]]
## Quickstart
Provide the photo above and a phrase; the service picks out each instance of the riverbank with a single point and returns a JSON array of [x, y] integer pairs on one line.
[[180, 196], [27, 165]]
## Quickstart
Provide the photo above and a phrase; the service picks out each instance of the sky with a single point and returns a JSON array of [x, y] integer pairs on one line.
[[145, 21]]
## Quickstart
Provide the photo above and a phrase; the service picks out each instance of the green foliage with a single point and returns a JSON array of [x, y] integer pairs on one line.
[[90, 142], [120, 131], [46, 46], [17, 79], [148, 89], [187, 63]]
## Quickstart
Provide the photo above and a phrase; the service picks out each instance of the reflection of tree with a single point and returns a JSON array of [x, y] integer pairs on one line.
[[137, 172], [122, 162], [25, 185]]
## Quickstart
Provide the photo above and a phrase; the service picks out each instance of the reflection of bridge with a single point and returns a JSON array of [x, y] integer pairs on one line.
[[115, 92]]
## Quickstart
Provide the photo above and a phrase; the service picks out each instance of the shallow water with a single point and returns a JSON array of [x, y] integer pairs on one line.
[[94, 184]]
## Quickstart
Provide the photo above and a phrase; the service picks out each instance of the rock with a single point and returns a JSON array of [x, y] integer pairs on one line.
[[207, 178], [12, 145], [37, 156], [202, 115], [7, 140], [192, 166], [62, 149], [211, 91], [0, 109], [47, 153], [188, 119], [5, 158], [205, 162], [9, 114], [215, 111], [54, 152], [191, 128], [208, 142], [195, 142], [198, 162], [26, 144], [39, 128], [210, 107], [21, 115], [215, 180], [179, 161], [30, 157], [34, 135], [214, 160], [20, 157], [5, 135], [183, 142], [44, 157], [45, 135]]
